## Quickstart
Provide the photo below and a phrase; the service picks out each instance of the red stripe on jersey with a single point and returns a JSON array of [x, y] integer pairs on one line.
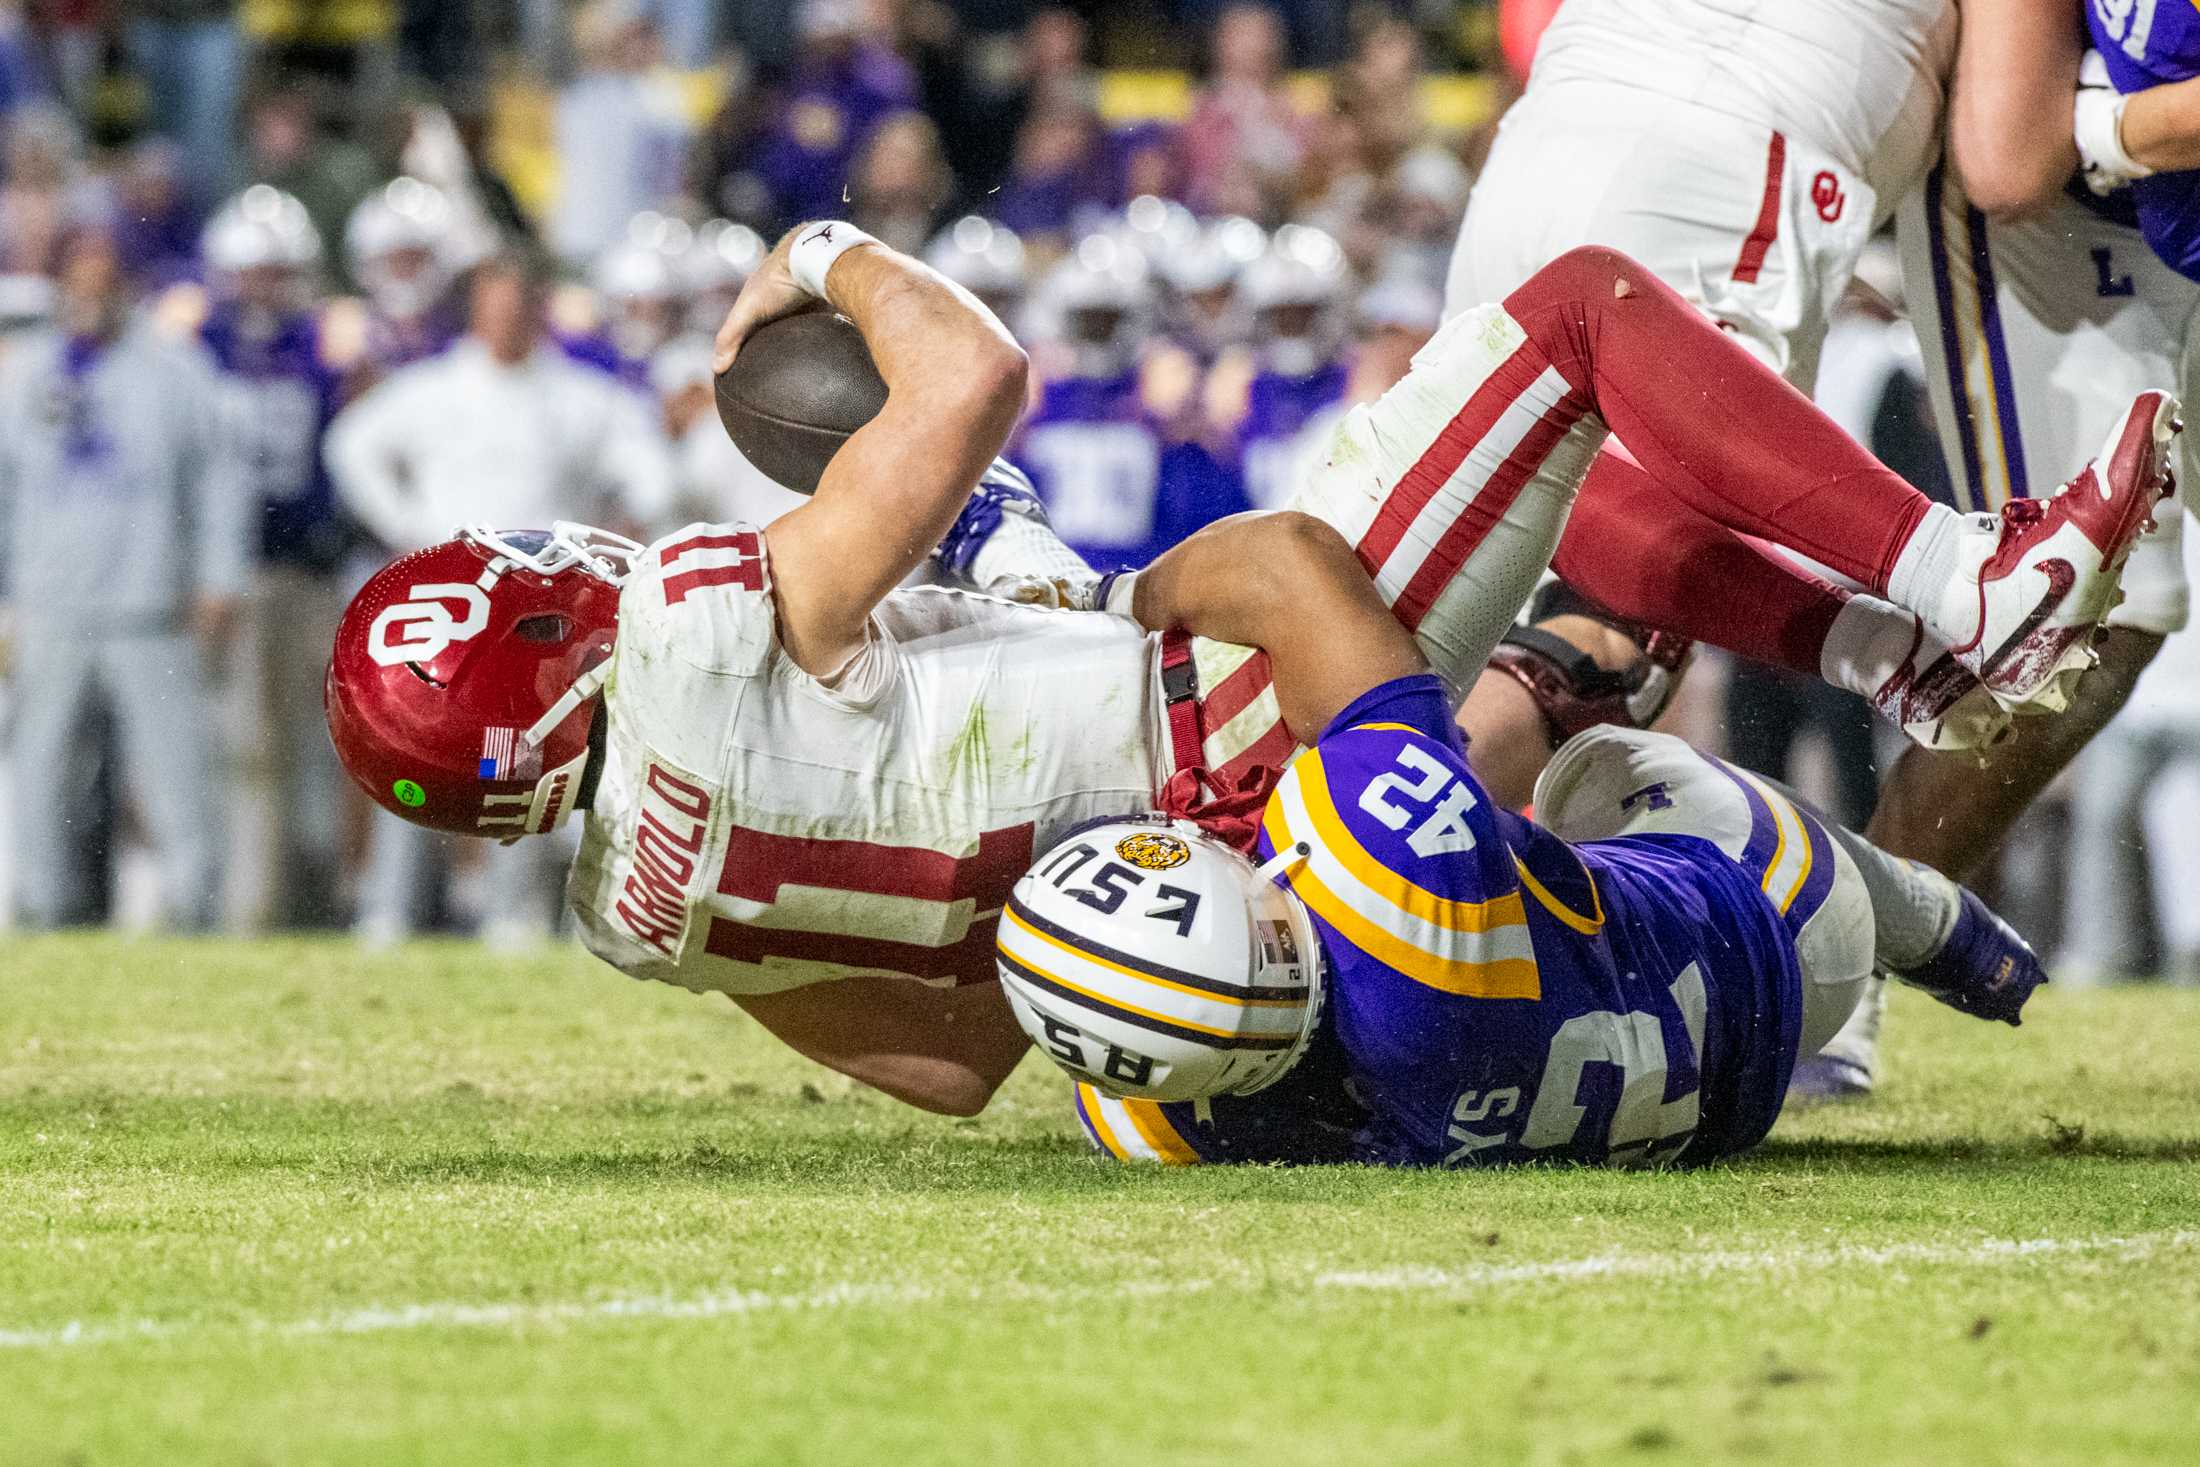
[[958, 964], [758, 863], [1767, 227], [1426, 479], [1235, 693], [1272, 748], [1464, 535]]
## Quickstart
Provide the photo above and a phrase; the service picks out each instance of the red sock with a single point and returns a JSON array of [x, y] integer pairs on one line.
[[1641, 551], [1711, 423]]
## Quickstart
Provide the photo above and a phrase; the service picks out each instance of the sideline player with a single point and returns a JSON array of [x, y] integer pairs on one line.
[[801, 775], [1412, 974]]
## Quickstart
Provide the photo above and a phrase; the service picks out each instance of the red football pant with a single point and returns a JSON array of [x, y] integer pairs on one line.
[[1717, 428], [1636, 548]]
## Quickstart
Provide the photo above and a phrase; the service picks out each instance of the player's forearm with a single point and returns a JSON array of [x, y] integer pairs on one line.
[[955, 383], [934, 342], [2009, 104], [1290, 585], [2162, 126]]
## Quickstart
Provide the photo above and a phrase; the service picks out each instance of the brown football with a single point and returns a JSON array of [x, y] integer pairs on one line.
[[800, 386]]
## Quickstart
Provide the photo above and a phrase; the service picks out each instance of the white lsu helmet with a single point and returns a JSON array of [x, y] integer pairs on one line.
[[1295, 294], [1155, 962], [260, 227], [405, 218], [982, 257]]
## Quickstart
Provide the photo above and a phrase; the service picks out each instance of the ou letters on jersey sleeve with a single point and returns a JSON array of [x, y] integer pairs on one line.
[[1498, 997]]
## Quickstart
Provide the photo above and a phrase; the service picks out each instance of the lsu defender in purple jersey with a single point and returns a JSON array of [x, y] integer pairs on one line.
[[1491, 994], [1442, 983], [1412, 975]]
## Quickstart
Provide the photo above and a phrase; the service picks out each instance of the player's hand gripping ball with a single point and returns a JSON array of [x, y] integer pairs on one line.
[[800, 386]]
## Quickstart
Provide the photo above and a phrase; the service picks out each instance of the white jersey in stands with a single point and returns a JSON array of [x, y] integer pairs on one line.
[[755, 829]]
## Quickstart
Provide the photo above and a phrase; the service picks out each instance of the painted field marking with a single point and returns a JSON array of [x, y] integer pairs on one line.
[[1468, 1278]]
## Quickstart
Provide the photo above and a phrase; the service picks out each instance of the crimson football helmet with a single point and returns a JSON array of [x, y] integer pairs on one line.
[[463, 675]]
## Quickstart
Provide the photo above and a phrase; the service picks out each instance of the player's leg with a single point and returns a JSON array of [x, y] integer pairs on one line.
[[166, 729], [2018, 597], [1453, 487], [2034, 334], [52, 766], [1611, 781], [1651, 560], [1824, 879]]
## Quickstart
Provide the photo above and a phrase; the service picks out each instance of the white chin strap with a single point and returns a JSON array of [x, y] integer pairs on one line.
[[1282, 861], [586, 686]]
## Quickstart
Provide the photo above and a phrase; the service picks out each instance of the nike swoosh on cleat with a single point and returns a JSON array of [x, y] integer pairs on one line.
[[2061, 576]]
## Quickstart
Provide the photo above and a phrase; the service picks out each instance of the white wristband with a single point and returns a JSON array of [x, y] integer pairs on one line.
[[815, 249], [2097, 126], [1121, 589]]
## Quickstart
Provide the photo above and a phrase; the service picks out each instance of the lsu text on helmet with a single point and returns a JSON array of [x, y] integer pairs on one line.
[[1157, 963]]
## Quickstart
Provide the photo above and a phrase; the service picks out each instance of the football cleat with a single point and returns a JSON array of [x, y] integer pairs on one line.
[[1984, 969], [1826, 1079], [1938, 701], [1848, 1067], [2033, 585]]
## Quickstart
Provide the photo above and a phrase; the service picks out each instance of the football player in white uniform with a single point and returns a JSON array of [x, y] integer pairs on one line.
[[1747, 164], [806, 787], [1744, 151], [2036, 302]]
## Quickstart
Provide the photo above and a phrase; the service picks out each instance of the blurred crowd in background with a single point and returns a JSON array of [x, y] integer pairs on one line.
[[289, 287]]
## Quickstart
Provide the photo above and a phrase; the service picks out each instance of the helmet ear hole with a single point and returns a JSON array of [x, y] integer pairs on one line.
[[547, 627]]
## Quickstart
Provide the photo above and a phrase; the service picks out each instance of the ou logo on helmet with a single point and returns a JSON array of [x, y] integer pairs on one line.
[[420, 629]]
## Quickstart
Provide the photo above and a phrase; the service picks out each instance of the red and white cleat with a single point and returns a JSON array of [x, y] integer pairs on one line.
[[2031, 587], [1938, 701]]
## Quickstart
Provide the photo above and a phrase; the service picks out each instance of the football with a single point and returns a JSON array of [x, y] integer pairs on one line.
[[799, 387]]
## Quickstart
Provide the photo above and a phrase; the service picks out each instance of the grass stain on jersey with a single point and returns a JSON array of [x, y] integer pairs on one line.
[[971, 747]]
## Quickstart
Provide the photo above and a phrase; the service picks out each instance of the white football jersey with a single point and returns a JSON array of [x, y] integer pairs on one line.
[[755, 829], [1862, 79]]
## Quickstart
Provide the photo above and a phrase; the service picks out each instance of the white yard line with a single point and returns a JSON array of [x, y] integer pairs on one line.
[[1467, 1278]]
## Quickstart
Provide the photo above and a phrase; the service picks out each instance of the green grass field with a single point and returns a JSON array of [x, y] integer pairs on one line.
[[283, 1203]]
